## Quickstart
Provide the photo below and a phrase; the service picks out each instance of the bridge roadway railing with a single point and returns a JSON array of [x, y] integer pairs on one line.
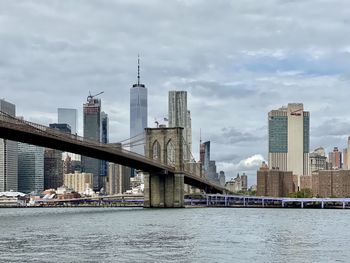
[[268, 201], [20, 124]]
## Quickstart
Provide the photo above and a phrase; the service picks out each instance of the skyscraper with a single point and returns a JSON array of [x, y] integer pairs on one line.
[[8, 155], [53, 169], [118, 179], [345, 159], [68, 116], [205, 155], [318, 160], [335, 159], [138, 113], [104, 139], [92, 131], [289, 129], [179, 116], [53, 163], [30, 168]]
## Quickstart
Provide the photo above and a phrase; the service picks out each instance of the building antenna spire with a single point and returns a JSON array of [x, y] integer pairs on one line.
[[138, 69]]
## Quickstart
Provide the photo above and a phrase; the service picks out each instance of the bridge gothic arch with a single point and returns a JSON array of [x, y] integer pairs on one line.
[[170, 153], [156, 151], [171, 146]]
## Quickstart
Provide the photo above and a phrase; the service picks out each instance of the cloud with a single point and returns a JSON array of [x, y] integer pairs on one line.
[[332, 127], [248, 165], [237, 59], [232, 135], [251, 163]]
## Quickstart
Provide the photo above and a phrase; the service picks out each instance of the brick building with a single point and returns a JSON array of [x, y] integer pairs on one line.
[[331, 183], [274, 183]]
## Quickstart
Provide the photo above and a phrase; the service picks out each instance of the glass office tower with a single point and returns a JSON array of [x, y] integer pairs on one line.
[[138, 114], [8, 155], [92, 131], [30, 168], [68, 116]]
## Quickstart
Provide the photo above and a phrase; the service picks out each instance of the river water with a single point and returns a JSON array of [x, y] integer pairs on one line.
[[174, 235]]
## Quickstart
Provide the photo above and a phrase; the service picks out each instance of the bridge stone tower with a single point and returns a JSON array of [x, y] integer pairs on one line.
[[165, 189]]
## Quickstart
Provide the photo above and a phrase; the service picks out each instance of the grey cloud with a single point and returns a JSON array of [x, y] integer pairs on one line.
[[232, 135], [332, 127], [221, 90], [56, 51]]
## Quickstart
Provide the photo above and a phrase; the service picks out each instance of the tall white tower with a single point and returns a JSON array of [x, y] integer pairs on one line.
[[138, 113]]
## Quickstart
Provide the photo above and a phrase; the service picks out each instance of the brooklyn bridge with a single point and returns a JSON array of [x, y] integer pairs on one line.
[[166, 166]]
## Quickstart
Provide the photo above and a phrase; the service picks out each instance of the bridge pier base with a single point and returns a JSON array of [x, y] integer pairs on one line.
[[163, 190]]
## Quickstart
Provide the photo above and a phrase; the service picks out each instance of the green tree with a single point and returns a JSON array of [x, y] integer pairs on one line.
[[303, 193]]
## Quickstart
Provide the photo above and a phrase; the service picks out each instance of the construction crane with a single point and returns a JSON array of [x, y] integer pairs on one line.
[[90, 97]]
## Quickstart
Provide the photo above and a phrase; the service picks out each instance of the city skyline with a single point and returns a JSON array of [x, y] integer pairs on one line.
[[231, 81]]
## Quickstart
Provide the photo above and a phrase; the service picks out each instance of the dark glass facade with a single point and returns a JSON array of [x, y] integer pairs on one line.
[[278, 134], [306, 133], [92, 131]]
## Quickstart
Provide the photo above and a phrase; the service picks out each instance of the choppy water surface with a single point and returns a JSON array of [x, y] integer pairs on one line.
[[174, 235]]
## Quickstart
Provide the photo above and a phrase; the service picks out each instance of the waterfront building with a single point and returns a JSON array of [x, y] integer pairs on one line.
[[244, 179], [274, 183], [92, 131], [53, 163], [30, 168], [238, 184], [345, 159], [70, 165], [331, 183], [335, 159], [318, 160], [289, 139], [138, 113], [53, 169], [13, 199], [68, 116], [79, 182], [8, 155], [118, 181], [67, 165], [222, 178], [179, 116]]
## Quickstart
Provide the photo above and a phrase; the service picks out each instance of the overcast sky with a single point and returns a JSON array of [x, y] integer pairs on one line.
[[236, 59]]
